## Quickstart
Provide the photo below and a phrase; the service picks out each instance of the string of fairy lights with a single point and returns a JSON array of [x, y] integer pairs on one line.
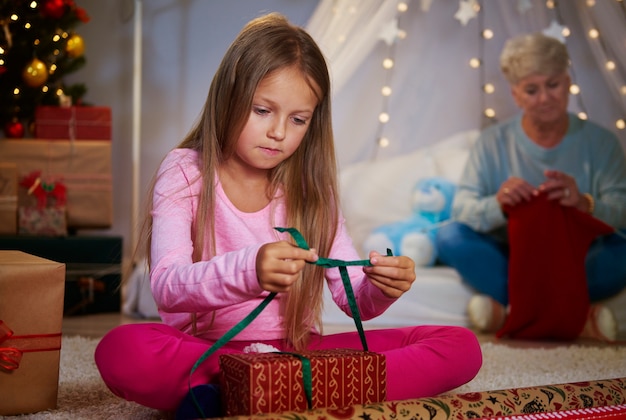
[[610, 62], [469, 9], [555, 29], [389, 64]]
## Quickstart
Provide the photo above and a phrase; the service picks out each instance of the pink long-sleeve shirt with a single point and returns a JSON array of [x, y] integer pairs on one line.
[[224, 289]]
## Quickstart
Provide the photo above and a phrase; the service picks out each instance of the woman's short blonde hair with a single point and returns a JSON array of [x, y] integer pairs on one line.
[[530, 54]]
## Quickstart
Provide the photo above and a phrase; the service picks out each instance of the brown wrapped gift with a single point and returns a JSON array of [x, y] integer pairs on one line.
[[8, 198], [31, 312], [75, 122], [84, 167], [255, 383]]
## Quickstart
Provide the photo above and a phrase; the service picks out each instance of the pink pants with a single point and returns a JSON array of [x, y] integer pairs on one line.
[[150, 363]]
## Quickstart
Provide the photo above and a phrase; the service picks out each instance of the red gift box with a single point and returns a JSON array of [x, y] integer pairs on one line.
[[73, 123], [255, 383]]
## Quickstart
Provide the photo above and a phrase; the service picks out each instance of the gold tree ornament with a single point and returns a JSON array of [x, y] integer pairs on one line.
[[35, 73], [75, 46], [38, 29]]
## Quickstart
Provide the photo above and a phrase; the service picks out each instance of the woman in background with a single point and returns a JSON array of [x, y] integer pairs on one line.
[[543, 150]]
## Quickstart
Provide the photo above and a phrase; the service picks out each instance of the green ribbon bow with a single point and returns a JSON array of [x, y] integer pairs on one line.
[[306, 363]]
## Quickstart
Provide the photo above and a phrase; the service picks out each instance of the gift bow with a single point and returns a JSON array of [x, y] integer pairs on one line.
[[41, 190], [11, 356], [345, 278], [323, 262]]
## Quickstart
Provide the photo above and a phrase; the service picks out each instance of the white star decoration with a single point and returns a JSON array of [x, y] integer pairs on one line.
[[466, 11], [555, 31], [389, 32]]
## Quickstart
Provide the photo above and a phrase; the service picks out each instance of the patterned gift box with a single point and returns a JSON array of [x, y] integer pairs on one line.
[[47, 221], [31, 316], [83, 166], [8, 198], [76, 122], [255, 383]]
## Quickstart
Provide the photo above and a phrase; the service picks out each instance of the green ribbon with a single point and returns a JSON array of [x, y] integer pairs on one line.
[[307, 376], [345, 278], [306, 363]]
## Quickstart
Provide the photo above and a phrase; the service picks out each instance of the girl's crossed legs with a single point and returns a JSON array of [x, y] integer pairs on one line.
[[151, 363]]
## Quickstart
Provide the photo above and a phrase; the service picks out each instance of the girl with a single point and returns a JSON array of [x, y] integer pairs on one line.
[[262, 156]]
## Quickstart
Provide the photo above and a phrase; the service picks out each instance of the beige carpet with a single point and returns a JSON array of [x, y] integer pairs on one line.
[[82, 394]]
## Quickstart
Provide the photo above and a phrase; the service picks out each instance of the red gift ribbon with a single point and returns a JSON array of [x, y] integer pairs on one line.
[[17, 345]]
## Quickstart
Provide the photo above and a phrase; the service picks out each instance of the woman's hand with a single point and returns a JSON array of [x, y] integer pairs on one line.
[[279, 264], [514, 191], [392, 275], [561, 186]]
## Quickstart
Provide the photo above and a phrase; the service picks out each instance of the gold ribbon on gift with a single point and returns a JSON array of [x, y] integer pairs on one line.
[[13, 346]]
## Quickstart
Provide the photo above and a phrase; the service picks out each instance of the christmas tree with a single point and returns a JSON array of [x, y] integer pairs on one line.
[[38, 47]]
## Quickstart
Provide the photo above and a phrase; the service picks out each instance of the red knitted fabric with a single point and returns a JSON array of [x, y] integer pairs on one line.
[[548, 294]]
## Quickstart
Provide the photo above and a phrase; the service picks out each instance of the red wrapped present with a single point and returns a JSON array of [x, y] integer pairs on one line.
[[31, 316], [255, 383], [73, 123]]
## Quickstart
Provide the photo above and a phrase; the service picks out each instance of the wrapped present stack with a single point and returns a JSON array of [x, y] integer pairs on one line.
[[73, 147], [55, 185]]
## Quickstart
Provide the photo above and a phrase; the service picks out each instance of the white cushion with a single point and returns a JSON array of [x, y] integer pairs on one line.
[[437, 297], [377, 192]]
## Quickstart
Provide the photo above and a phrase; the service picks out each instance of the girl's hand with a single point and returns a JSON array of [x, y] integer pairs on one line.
[[279, 264], [560, 186], [392, 275], [514, 191]]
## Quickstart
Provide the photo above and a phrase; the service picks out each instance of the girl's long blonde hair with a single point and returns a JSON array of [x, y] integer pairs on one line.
[[308, 178]]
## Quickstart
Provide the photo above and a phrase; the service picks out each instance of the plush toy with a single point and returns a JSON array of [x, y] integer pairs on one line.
[[414, 237]]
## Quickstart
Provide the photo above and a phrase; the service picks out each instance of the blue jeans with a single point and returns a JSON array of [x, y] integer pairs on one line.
[[483, 262]]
